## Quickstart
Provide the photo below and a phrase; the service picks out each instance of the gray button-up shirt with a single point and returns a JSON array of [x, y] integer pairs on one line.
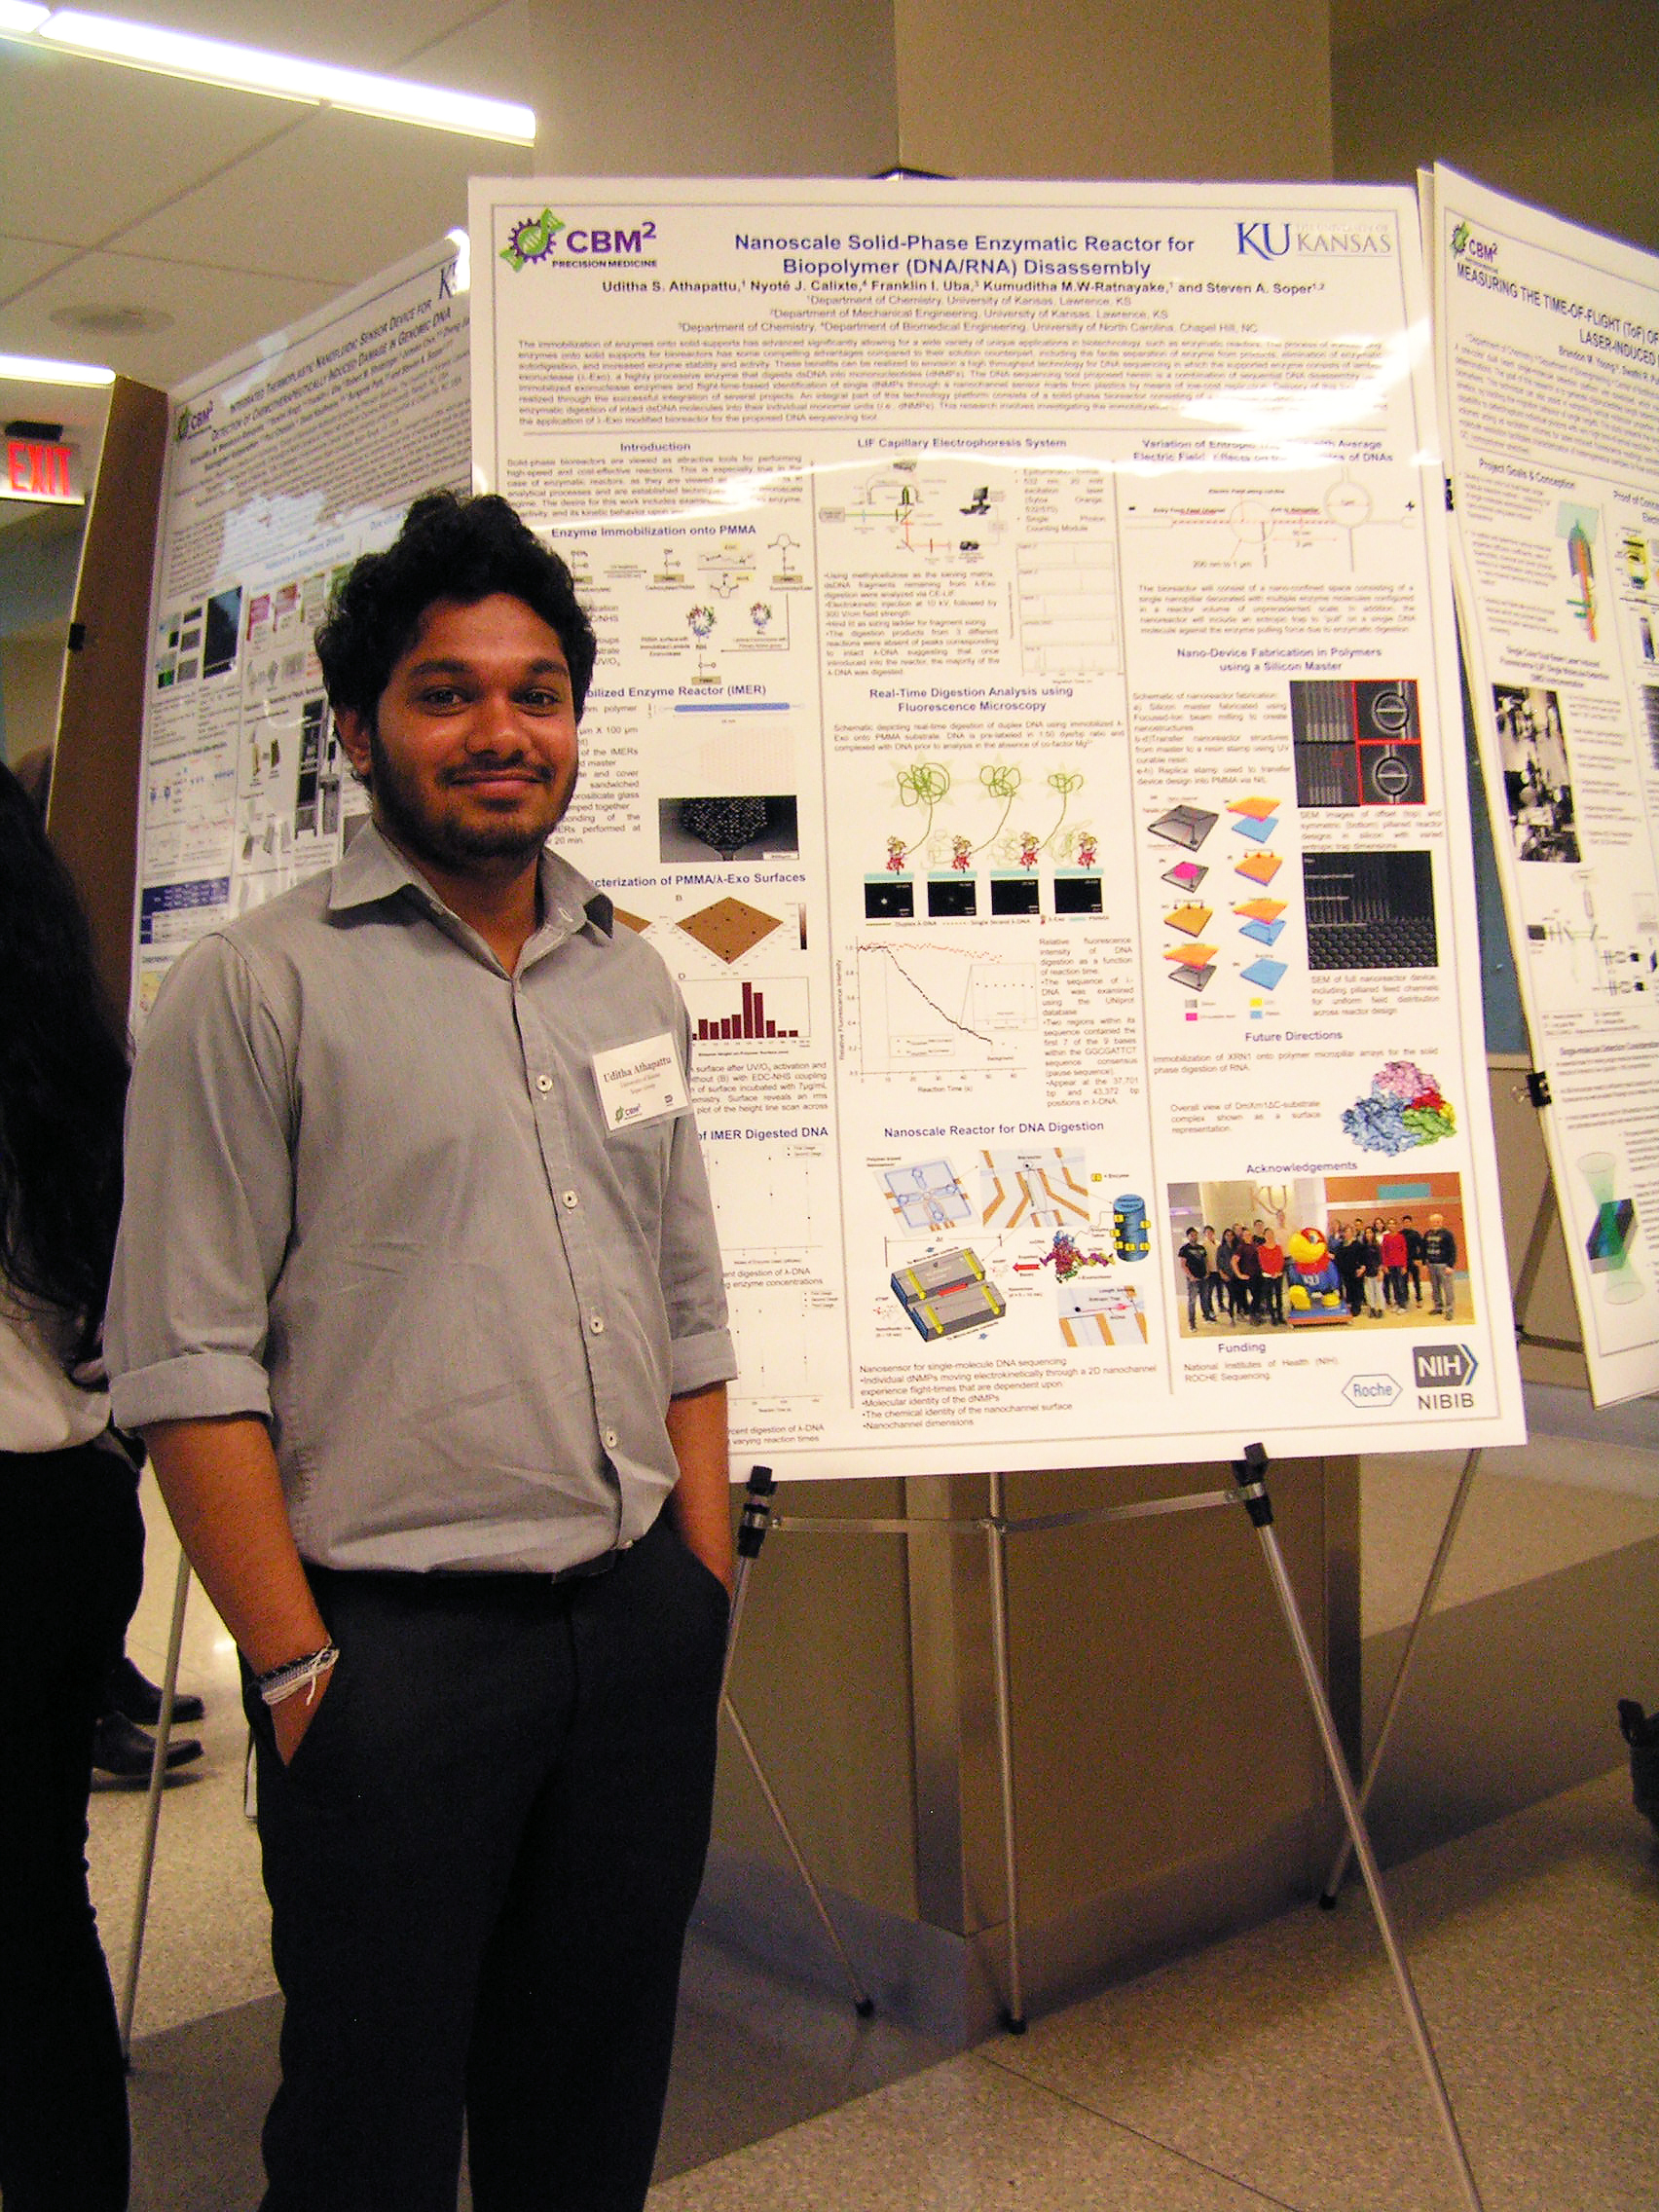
[[371, 1195]]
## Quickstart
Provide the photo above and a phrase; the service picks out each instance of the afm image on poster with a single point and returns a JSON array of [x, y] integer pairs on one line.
[[730, 928], [1537, 782], [1356, 744], [1370, 910]]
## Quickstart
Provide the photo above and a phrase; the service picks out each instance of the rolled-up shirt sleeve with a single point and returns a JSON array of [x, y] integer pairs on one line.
[[209, 1203]]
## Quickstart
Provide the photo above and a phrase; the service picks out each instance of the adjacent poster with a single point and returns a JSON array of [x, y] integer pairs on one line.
[[1549, 352], [284, 465], [1027, 726]]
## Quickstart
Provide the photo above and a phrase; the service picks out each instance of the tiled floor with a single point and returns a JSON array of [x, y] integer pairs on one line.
[[1274, 2069], [1271, 2070]]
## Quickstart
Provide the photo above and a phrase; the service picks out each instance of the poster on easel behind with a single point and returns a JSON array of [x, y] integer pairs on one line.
[[283, 464], [1027, 723], [1548, 352]]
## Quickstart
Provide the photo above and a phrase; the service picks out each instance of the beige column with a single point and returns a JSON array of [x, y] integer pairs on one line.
[[1108, 88]]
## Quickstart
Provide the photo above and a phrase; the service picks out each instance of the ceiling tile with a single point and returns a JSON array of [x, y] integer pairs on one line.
[[89, 148], [214, 312], [338, 199], [23, 260], [490, 55]]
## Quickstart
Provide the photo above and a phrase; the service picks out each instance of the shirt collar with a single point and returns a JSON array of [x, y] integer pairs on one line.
[[372, 869]]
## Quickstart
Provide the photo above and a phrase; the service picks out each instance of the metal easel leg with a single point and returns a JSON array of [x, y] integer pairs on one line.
[[755, 1520], [153, 1807], [996, 1541], [1250, 1473], [1430, 1591]]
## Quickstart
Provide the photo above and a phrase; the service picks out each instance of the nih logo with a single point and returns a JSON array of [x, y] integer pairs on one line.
[[1442, 1374]]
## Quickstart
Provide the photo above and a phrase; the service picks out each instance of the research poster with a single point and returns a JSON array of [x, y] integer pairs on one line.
[[283, 464], [1028, 724], [1549, 353]]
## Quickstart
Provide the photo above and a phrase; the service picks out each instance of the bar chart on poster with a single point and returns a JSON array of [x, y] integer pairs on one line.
[[1548, 342], [1027, 726]]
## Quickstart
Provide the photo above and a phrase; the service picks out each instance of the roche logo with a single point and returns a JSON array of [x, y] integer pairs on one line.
[[1368, 1391], [1442, 1367], [548, 238]]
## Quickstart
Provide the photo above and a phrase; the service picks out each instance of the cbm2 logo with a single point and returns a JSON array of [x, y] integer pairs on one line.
[[1464, 241], [1258, 238], [546, 237]]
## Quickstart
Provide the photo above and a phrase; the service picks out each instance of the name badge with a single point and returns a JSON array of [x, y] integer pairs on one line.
[[640, 1083]]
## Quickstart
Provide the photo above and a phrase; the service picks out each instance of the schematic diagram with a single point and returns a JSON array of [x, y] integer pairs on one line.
[[706, 604], [920, 512], [926, 1197], [925, 1006], [1034, 1190], [1576, 957], [1275, 526]]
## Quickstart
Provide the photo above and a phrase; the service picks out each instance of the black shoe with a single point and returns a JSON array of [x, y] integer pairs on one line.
[[1641, 1734], [123, 1749], [137, 1698]]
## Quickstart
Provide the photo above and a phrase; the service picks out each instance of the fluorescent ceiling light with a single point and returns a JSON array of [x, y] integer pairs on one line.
[[281, 76], [22, 368]]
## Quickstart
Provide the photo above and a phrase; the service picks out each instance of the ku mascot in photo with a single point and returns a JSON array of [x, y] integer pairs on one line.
[[1313, 1290]]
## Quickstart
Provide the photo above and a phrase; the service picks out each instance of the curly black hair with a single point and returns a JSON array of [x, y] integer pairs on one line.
[[63, 1067], [448, 548]]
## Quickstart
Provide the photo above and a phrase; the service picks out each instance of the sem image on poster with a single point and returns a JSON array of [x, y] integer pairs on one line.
[[284, 464], [1549, 357], [1026, 722]]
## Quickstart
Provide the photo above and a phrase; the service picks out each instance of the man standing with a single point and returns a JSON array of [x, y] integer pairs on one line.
[[1195, 1260], [1440, 1257], [1393, 1250], [1414, 1257], [1270, 1252], [419, 1305]]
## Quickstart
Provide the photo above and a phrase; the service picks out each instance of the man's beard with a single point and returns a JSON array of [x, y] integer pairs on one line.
[[415, 824]]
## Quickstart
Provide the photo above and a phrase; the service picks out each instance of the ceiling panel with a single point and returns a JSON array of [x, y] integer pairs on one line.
[[491, 54], [338, 199], [87, 147], [23, 260], [214, 312]]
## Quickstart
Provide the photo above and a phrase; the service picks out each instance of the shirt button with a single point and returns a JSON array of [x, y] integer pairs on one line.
[[596, 1324], [610, 1440], [568, 1197], [544, 1083]]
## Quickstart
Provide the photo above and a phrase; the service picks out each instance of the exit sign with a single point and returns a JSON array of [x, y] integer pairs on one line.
[[41, 469]]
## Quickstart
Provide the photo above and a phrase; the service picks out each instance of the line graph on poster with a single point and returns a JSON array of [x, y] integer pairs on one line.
[[771, 1197], [926, 1006]]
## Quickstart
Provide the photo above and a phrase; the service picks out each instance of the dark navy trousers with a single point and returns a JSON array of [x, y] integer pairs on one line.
[[481, 1863]]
